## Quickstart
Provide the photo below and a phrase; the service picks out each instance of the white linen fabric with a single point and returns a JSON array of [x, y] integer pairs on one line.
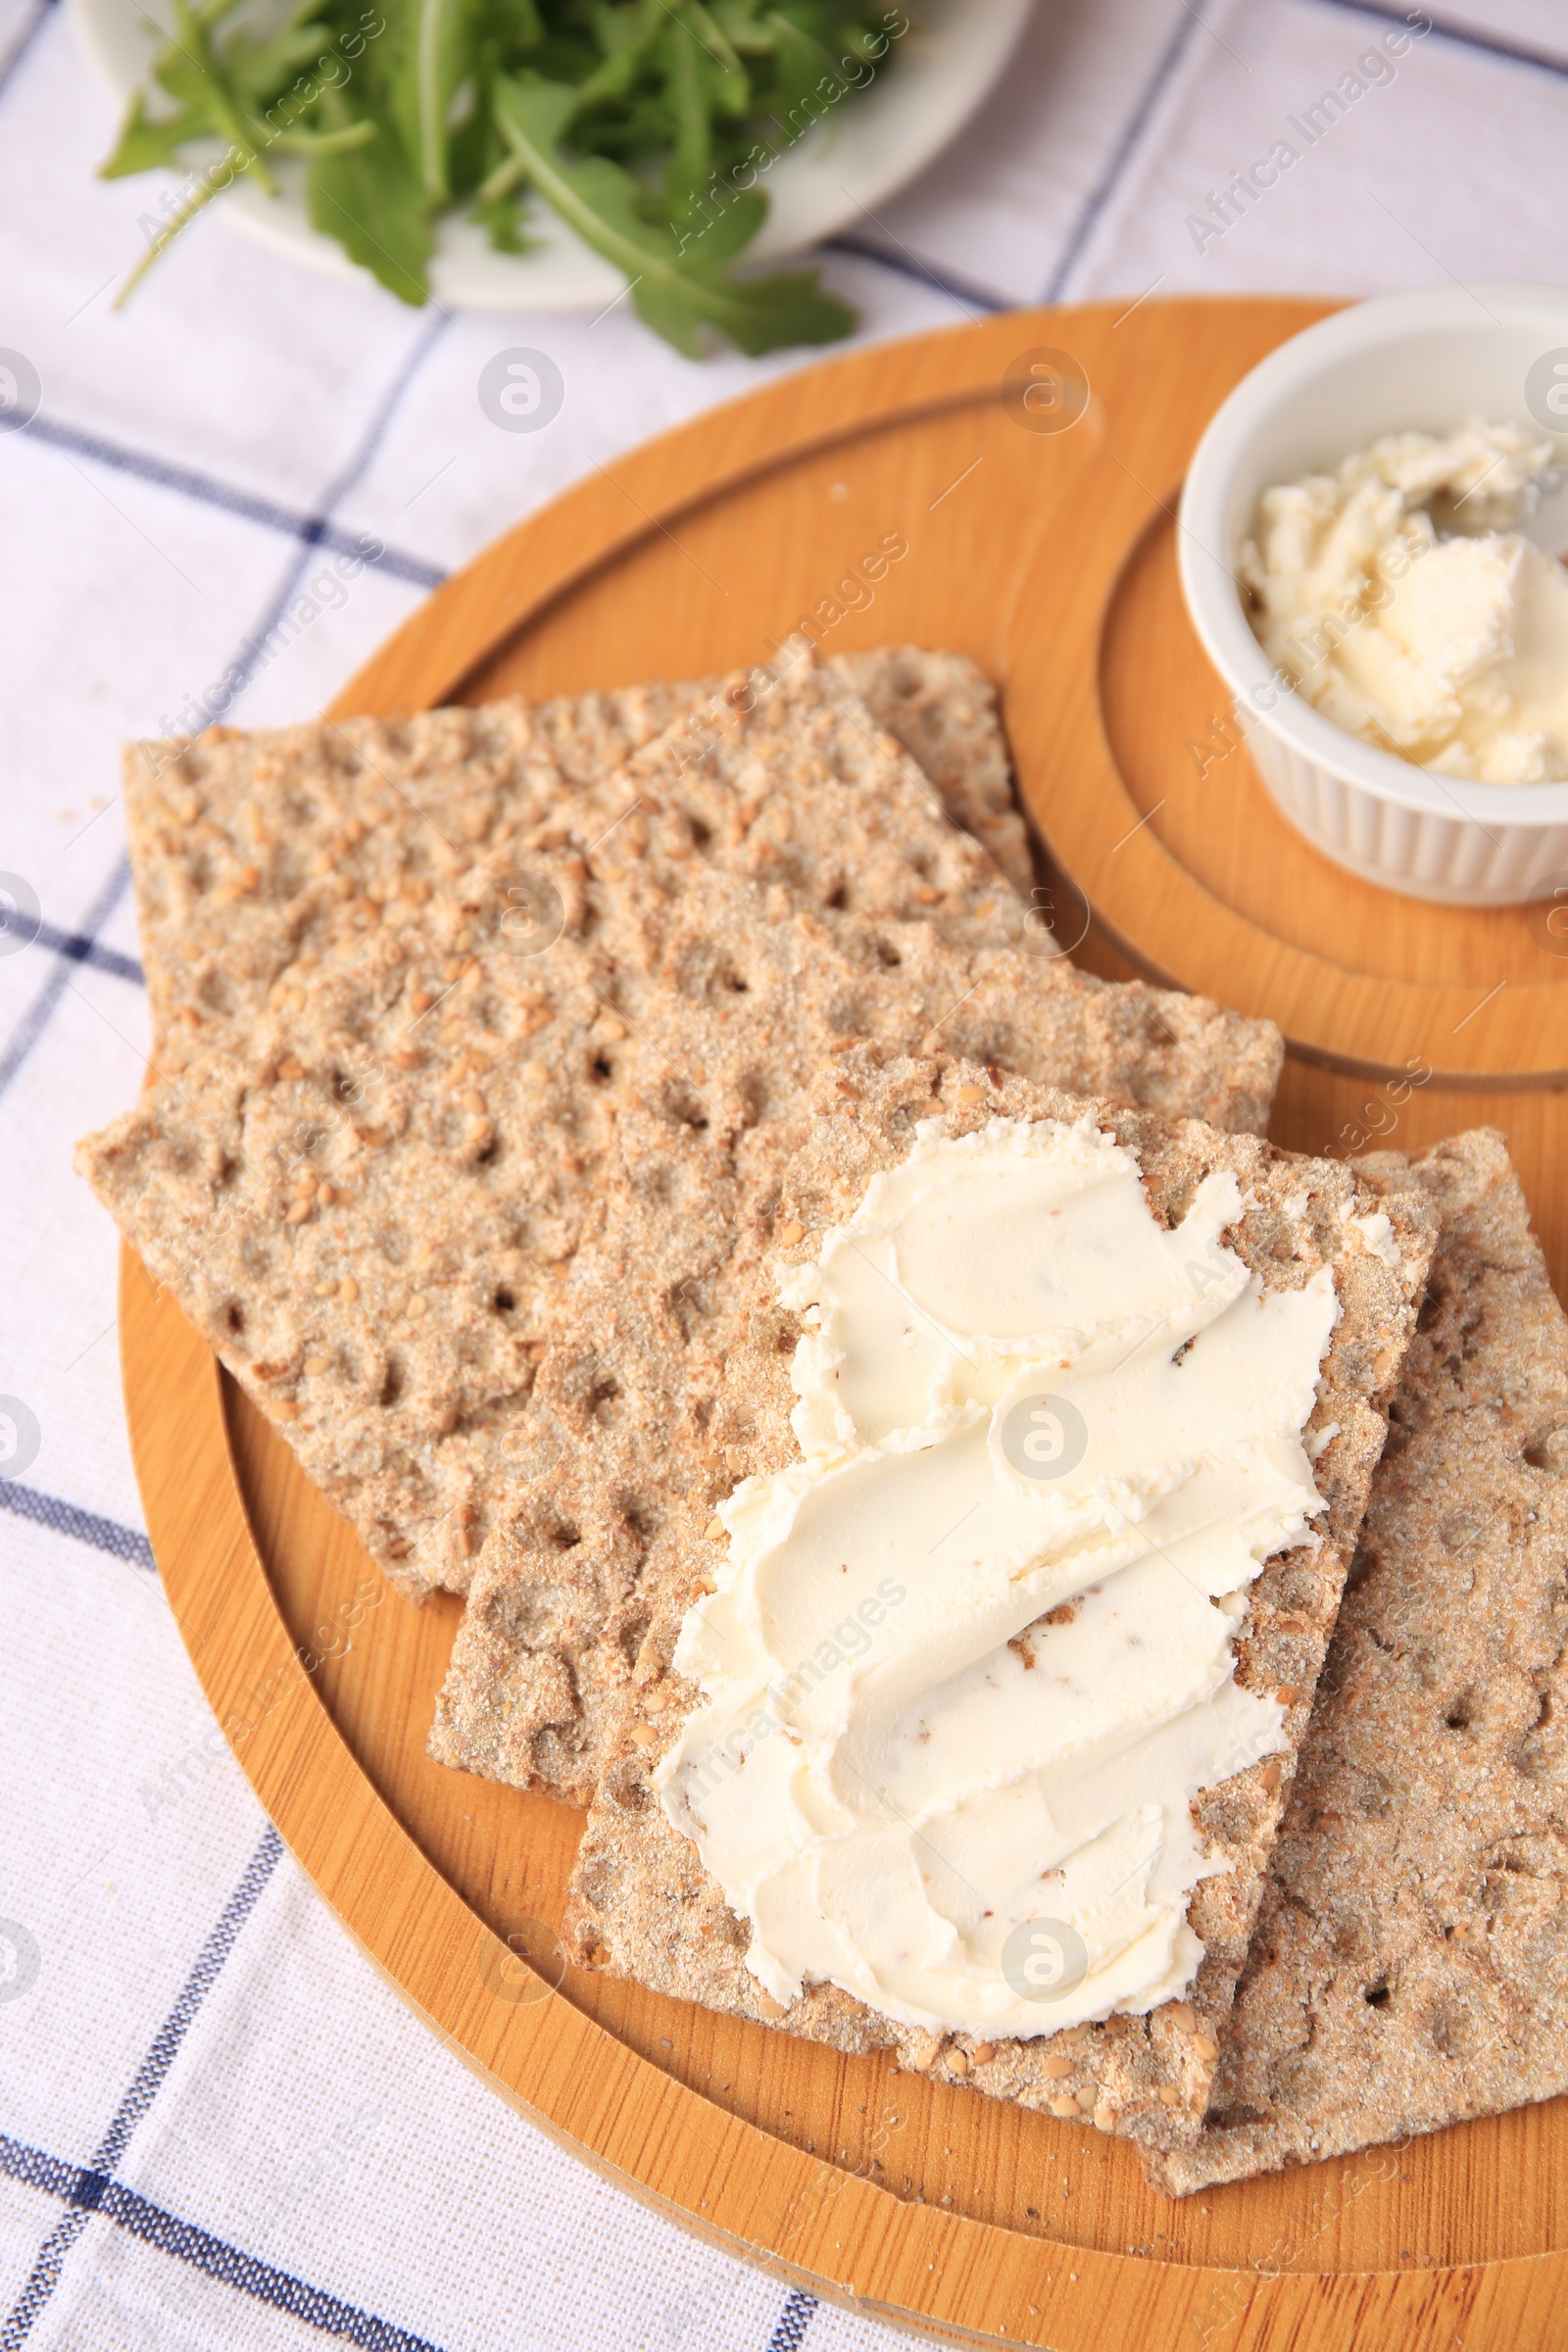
[[218, 2126]]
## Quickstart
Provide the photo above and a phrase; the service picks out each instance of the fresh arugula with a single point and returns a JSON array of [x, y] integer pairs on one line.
[[373, 200], [241, 102], [646, 124], [676, 292]]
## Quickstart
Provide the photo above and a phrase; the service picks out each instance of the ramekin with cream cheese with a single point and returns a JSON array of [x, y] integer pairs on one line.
[[970, 1658], [1397, 596], [1423, 364]]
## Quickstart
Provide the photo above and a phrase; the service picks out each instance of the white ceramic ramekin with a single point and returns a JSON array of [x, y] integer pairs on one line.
[[1428, 360]]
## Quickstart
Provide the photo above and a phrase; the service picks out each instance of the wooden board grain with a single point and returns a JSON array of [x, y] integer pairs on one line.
[[1047, 556]]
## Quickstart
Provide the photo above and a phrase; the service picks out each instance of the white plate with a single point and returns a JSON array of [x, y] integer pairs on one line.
[[927, 87]]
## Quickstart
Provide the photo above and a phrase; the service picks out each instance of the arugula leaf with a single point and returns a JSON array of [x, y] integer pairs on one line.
[[501, 218], [435, 56], [691, 159], [259, 70], [205, 190], [189, 70], [625, 35], [677, 293], [736, 19], [801, 63], [372, 201], [146, 141]]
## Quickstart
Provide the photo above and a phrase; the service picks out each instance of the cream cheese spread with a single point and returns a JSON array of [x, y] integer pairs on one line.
[[970, 1658], [1394, 595]]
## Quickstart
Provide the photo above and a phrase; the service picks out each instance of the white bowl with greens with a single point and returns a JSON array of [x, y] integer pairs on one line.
[[496, 155]]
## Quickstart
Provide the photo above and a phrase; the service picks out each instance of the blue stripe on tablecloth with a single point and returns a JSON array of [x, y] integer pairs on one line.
[[1170, 58], [66, 1519], [1464, 36], [909, 264], [1126, 147], [185, 481], [145, 2086], [35, 1020], [78, 949], [250, 651], [149, 2077], [23, 41], [87, 2191], [793, 2320]]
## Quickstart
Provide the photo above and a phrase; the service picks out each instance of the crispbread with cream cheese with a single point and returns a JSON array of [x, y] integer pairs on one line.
[[369, 1197], [1410, 1966], [642, 1903], [711, 1116]]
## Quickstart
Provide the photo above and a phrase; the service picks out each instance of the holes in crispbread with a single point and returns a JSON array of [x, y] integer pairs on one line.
[[1365, 1564], [685, 1106]]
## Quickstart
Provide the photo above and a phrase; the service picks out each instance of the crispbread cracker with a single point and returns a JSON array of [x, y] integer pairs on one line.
[[1410, 1966], [414, 1001], [642, 1903], [367, 1197], [709, 1120], [241, 843], [943, 709]]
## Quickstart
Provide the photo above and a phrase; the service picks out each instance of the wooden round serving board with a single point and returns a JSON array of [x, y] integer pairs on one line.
[[1048, 556]]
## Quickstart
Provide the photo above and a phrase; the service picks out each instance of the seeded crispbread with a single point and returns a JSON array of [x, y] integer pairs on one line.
[[642, 1904], [249, 851], [710, 1118], [1409, 1966], [365, 1196]]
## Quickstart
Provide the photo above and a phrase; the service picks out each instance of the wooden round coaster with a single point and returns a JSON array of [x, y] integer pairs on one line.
[[1039, 552]]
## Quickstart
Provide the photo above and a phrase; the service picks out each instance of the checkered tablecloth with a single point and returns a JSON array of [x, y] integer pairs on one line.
[[218, 2126]]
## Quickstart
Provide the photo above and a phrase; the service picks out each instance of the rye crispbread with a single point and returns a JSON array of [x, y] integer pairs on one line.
[[388, 978], [642, 1904], [1410, 1966], [367, 1197], [711, 1119], [943, 709], [241, 843]]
